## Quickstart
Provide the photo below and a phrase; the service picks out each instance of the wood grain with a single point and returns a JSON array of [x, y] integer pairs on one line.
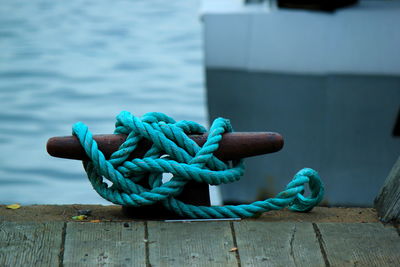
[[30, 243], [105, 244], [44, 213], [277, 244], [388, 201], [191, 244], [356, 244]]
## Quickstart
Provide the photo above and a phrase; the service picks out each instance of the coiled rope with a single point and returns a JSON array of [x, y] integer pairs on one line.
[[174, 152]]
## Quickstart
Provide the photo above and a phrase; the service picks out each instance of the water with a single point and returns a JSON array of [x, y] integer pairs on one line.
[[68, 61]]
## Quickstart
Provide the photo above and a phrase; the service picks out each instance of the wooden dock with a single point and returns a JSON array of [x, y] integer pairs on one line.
[[47, 236]]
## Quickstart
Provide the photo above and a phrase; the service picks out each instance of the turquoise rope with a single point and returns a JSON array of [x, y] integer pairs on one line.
[[174, 152]]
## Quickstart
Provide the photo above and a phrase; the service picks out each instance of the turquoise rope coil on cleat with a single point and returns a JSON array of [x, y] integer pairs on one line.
[[174, 152]]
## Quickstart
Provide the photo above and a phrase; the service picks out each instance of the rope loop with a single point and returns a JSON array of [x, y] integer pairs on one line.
[[172, 151]]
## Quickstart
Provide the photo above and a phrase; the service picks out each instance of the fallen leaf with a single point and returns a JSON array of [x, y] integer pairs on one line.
[[233, 249], [94, 221], [79, 217], [13, 206]]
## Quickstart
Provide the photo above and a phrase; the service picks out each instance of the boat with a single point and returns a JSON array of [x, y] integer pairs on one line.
[[329, 82]]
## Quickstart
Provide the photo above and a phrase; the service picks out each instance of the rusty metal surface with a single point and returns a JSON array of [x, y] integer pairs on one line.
[[232, 146]]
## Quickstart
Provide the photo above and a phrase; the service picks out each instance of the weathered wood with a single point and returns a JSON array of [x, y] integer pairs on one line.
[[98, 244], [388, 201], [232, 146], [44, 213], [259, 243], [30, 243], [355, 244], [277, 244], [191, 244]]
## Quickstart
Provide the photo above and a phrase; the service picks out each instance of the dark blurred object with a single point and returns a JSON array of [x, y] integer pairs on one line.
[[254, 1], [396, 129], [320, 5], [85, 212]]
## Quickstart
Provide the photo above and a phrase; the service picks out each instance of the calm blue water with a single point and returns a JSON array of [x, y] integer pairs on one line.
[[68, 61]]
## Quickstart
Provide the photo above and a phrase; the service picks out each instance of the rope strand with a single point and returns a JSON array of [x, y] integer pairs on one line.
[[174, 152]]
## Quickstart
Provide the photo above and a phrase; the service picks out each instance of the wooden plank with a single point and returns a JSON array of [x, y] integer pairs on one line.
[[46, 213], [106, 243], [355, 244], [191, 244], [388, 201], [30, 244], [277, 244]]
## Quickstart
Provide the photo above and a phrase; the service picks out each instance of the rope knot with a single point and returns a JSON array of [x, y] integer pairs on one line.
[[172, 151]]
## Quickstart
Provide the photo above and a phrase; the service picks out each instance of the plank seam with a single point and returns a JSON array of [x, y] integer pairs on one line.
[[147, 249], [235, 244], [62, 247], [291, 245], [321, 243]]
